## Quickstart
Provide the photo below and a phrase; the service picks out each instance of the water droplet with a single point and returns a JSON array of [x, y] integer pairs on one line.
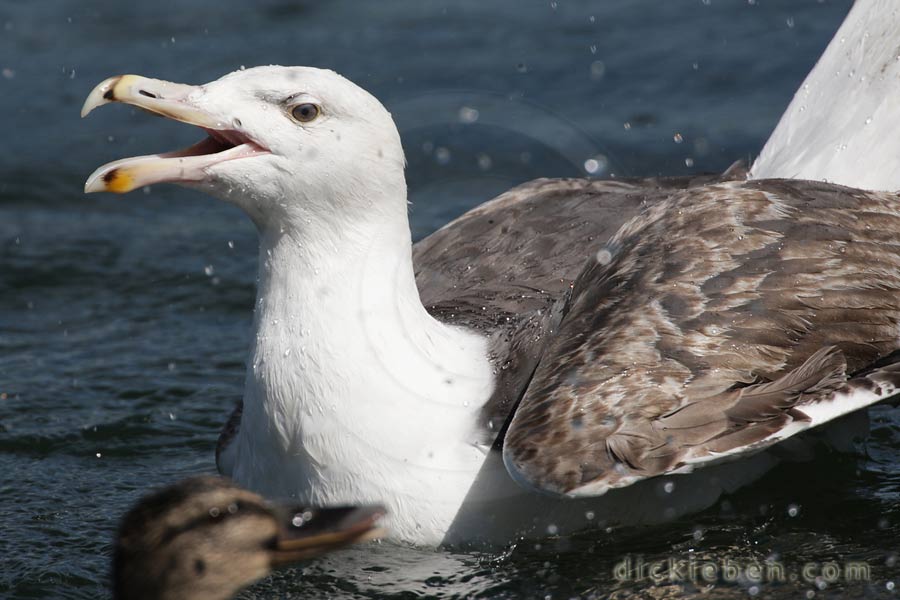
[[669, 487], [231, 244], [790, 22], [689, 162], [589, 515], [604, 256], [596, 164], [598, 69], [467, 114], [677, 138], [793, 510], [209, 270], [552, 529], [442, 155]]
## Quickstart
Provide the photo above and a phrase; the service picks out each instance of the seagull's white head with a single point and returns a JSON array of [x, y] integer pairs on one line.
[[286, 144]]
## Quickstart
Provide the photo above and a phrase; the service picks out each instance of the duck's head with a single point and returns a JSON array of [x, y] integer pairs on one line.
[[282, 143], [205, 538]]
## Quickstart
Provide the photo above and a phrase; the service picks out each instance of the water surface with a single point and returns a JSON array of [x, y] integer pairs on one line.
[[124, 322]]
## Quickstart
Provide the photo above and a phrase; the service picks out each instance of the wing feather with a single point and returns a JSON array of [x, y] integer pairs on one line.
[[730, 317]]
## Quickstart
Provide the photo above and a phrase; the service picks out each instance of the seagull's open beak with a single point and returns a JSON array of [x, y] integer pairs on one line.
[[176, 101], [309, 532]]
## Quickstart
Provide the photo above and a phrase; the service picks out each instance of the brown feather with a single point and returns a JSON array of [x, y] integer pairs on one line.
[[723, 311]]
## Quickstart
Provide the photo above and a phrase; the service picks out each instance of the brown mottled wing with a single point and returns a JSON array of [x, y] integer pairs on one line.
[[717, 322], [506, 267]]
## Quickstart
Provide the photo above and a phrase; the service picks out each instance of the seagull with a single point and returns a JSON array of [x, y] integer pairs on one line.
[[205, 538], [574, 353]]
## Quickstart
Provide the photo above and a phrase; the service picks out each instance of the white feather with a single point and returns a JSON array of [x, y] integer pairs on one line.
[[840, 126]]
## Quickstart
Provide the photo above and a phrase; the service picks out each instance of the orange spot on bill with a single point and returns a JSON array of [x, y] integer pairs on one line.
[[118, 181]]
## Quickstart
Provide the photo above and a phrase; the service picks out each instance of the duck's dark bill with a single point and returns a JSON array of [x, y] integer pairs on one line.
[[309, 532]]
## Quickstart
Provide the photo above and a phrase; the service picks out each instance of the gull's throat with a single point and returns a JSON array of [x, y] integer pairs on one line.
[[356, 385]]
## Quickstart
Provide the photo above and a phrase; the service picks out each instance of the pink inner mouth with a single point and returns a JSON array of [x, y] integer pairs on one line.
[[218, 141], [228, 137]]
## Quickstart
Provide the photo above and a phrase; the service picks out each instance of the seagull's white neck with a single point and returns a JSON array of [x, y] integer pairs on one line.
[[350, 293], [352, 385]]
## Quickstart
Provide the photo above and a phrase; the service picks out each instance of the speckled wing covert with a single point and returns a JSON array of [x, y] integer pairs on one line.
[[507, 267], [720, 321]]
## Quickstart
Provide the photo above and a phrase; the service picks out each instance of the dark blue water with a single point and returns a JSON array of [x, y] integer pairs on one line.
[[124, 322]]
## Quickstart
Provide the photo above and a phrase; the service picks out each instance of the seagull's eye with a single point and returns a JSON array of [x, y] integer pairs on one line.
[[305, 112]]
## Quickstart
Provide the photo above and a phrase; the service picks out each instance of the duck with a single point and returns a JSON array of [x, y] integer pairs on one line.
[[206, 538], [575, 353]]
